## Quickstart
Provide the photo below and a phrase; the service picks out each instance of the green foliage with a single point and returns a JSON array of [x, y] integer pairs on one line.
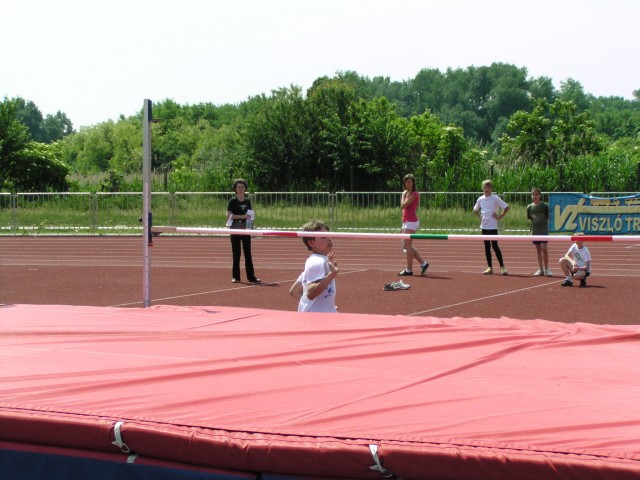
[[550, 136], [113, 183], [48, 129], [451, 129], [278, 141], [25, 165]]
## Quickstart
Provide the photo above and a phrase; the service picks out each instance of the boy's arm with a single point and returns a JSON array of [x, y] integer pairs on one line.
[[568, 255], [586, 268], [296, 290], [314, 289], [504, 212], [476, 209]]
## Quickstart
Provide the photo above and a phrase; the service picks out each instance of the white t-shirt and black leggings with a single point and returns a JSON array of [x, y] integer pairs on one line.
[[487, 206]]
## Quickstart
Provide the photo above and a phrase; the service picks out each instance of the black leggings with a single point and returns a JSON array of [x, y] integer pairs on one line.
[[488, 244]]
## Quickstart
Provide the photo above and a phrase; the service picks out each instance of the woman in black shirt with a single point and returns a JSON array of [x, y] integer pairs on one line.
[[238, 212]]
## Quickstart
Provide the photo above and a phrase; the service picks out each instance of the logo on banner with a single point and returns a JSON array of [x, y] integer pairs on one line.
[[575, 212]]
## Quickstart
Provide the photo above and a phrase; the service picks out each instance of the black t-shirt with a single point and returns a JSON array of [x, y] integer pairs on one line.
[[237, 207]]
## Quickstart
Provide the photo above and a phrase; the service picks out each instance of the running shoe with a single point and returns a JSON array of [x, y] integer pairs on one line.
[[547, 272], [399, 285], [405, 273], [583, 283], [488, 271], [423, 268], [504, 270], [539, 273], [567, 283]]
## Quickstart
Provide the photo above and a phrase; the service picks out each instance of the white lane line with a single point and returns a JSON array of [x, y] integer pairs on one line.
[[481, 299], [232, 289]]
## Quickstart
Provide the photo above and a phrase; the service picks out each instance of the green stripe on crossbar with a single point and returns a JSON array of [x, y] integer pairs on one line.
[[429, 236]]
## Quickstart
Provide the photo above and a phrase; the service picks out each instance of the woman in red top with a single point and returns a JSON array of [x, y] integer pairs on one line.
[[411, 224]]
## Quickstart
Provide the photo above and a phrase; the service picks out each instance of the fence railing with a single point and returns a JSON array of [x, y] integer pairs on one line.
[[120, 213]]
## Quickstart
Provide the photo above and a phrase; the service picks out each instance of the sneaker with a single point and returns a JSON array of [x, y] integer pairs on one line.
[[423, 268], [547, 272], [583, 283], [567, 283], [405, 273], [254, 280], [539, 273], [504, 270], [488, 271], [399, 285]]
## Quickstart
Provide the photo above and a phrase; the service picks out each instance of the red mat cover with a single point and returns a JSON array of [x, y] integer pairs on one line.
[[325, 395]]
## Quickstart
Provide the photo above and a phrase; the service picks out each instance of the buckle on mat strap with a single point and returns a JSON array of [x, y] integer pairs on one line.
[[118, 441], [378, 466]]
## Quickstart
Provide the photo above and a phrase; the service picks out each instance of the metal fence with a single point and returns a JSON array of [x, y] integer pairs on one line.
[[118, 213]]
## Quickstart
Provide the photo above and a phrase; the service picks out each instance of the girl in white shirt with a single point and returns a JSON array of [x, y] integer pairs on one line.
[[491, 208]]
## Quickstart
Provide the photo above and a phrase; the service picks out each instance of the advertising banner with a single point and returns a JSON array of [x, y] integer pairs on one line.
[[575, 212]]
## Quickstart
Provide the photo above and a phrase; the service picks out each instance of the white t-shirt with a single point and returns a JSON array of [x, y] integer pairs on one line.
[[487, 207], [315, 269], [580, 255]]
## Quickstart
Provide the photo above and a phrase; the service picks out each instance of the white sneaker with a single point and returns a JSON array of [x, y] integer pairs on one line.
[[539, 273], [547, 272], [399, 285]]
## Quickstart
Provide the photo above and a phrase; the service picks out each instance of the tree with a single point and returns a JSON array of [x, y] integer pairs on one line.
[[40, 169], [572, 91], [443, 152], [14, 137], [616, 116], [56, 127], [572, 133], [528, 143], [277, 139], [30, 115], [551, 135], [330, 105], [50, 128], [542, 87], [380, 145], [26, 165]]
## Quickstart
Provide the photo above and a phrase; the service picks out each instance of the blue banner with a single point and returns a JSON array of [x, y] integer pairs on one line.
[[575, 212]]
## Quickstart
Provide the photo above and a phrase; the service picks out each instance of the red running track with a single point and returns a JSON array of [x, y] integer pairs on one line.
[[196, 270]]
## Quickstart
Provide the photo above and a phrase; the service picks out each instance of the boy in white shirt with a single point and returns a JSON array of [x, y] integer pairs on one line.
[[320, 271], [576, 263]]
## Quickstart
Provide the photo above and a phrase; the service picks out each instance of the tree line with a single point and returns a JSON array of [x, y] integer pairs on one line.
[[451, 129]]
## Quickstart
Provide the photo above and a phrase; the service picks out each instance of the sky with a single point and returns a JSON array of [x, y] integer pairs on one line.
[[95, 61]]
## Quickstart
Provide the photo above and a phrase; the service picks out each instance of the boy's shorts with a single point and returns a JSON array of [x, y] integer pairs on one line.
[[581, 274]]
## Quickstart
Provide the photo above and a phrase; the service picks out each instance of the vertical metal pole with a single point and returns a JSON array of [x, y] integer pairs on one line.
[[146, 202]]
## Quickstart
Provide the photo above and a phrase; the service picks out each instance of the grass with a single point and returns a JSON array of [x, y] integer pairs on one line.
[[120, 214]]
